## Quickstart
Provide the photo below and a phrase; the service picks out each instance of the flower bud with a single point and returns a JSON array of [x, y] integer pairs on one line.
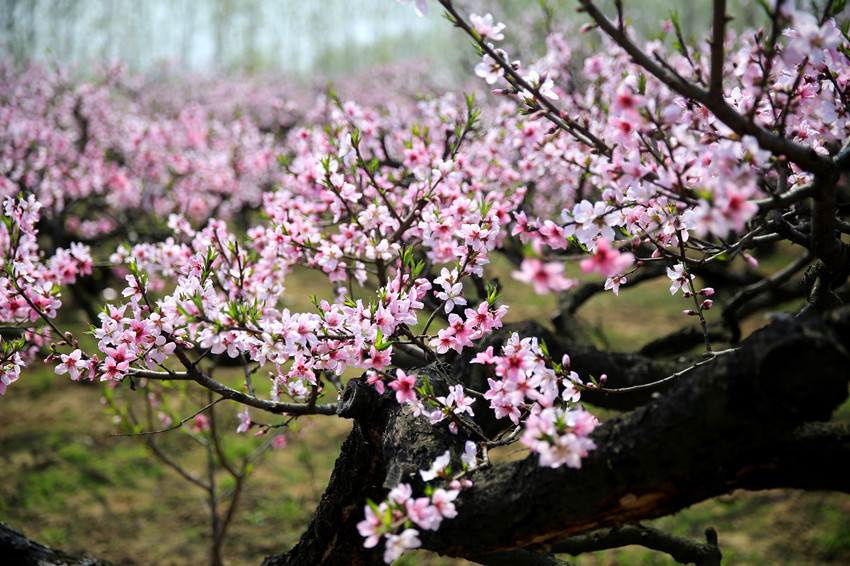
[[689, 312], [707, 304], [706, 292]]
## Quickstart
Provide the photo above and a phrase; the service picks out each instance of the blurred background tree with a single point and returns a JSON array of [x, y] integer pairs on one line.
[[302, 38]]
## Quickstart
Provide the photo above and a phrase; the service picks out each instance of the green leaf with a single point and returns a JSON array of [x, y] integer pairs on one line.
[[417, 269], [426, 388]]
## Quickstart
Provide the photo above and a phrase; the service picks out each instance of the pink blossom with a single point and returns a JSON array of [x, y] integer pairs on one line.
[[470, 455], [679, 277], [245, 422], [200, 423], [442, 501], [489, 69], [423, 514], [545, 86], [403, 386], [606, 260], [71, 364], [376, 380], [484, 26], [613, 283], [451, 295], [369, 528], [437, 467], [395, 545], [545, 277], [485, 357]]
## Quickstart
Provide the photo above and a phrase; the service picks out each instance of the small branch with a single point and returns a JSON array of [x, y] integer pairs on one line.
[[166, 459], [173, 427], [772, 282], [682, 550], [271, 406], [248, 385], [715, 85], [710, 356], [552, 112], [805, 157], [786, 199]]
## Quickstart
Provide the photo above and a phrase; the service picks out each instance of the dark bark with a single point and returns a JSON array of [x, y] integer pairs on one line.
[[331, 537], [16, 549], [734, 423], [745, 420], [386, 447]]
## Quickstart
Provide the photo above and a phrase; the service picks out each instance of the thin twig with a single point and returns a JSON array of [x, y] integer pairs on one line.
[[715, 84], [173, 427]]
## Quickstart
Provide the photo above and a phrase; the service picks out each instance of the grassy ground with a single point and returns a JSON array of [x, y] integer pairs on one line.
[[69, 484]]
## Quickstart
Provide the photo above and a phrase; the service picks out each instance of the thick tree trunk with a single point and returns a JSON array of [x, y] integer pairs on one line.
[[331, 537], [736, 422], [742, 421]]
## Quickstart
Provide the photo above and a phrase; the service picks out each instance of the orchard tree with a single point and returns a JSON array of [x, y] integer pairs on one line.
[[629, 160]]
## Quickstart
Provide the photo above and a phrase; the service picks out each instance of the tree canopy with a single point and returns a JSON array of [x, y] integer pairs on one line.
[[176, 228]]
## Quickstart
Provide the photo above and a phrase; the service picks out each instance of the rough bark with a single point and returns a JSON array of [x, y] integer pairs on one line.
[[331, 538], [737, 422], [19, 550], [746, 420]]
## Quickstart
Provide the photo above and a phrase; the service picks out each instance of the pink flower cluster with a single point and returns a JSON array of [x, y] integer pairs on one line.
[[29, 283], [583, 157], [697, 176], [394, 519], [528, 386], [94, 157], [560, 436]]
